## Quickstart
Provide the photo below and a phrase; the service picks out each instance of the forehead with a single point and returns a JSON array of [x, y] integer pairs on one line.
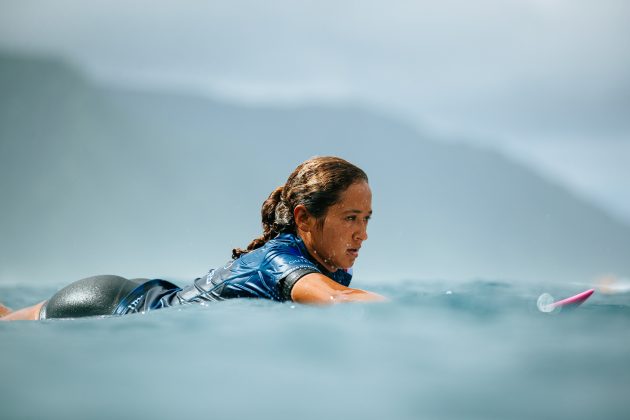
[[358, 196]]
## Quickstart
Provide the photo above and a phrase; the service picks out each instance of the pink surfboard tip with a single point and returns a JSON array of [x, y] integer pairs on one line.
[[574, 300]]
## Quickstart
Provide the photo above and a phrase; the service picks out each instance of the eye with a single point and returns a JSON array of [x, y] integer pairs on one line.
[[351, 218]]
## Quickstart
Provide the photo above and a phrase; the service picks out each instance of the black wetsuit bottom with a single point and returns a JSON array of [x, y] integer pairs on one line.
[[92, 296]]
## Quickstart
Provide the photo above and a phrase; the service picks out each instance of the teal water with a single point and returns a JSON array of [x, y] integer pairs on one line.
[[437, 350]]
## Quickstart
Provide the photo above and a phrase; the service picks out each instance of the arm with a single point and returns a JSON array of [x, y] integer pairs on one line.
[[316, 288]]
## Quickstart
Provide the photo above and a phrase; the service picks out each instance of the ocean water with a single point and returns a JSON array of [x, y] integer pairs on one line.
[[437, 350]]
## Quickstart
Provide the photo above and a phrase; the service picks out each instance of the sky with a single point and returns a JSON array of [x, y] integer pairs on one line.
[[545, 81]]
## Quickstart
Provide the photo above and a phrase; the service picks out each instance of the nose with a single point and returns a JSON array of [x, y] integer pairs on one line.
[[361, 234]]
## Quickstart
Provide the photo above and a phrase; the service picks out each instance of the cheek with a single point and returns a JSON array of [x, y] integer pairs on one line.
[[343, 237], [336, 236]]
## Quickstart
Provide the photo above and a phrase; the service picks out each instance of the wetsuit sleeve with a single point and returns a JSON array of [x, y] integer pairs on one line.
[[284, 266], [286, 284]]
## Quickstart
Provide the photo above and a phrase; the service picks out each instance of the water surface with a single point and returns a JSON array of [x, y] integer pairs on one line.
[[437, 350]]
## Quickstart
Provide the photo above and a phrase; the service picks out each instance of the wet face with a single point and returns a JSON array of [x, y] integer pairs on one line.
[[336, 242]]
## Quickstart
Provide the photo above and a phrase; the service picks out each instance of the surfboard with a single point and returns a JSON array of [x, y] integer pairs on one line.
[[574, 301], [546, 302]]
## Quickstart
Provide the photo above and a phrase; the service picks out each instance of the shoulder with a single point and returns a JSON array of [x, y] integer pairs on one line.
[[284, 255], [281, 245], [285, 243]]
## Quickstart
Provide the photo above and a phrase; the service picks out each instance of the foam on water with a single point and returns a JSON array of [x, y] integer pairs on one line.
[[437, 350]]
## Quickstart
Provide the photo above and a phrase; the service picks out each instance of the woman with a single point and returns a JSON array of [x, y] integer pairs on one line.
[[313, 228]]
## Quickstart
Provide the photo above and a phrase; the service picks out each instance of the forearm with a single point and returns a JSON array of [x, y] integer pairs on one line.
[[318, 289], [355, 295]]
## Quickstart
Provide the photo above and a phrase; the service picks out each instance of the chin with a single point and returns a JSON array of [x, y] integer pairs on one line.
[[346, 266]]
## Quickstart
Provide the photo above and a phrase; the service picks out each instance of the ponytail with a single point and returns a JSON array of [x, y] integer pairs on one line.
[[276, 218]]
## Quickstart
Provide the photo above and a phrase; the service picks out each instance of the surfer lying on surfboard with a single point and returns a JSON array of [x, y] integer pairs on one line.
[[313, 228]]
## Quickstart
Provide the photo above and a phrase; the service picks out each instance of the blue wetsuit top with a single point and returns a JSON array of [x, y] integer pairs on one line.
[[268, 272]]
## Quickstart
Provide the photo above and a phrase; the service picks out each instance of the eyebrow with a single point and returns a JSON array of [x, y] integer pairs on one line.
[[357, 211]]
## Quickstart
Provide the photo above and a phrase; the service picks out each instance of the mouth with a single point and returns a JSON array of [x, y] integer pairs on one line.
[[354, 252]]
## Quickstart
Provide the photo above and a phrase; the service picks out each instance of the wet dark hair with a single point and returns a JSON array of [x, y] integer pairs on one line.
[[316, 184]]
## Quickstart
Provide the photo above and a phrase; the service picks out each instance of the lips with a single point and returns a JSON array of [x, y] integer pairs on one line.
[[353, 252]]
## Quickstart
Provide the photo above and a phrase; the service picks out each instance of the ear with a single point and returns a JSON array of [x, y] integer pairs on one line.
[[303, 219]]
